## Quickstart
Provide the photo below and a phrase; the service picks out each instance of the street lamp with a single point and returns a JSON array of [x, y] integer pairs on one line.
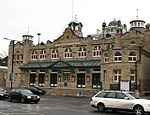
[[12, 61]]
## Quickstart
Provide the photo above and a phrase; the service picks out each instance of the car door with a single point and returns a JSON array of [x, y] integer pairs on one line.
[[110, 100], [17, 94], [121, 102]]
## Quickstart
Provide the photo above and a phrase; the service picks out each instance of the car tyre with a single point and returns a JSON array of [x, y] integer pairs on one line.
[[101, 107], [138, 110], [22, 100], [10, 99]]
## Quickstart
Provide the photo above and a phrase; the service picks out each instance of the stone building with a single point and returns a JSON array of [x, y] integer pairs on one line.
[[3, 71], [3, 76], [73, 64]]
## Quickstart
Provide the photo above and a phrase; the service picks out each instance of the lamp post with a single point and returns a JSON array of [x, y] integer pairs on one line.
[[12, 62]]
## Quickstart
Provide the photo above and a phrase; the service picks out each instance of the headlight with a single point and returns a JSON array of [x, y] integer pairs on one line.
[[2, 94], [28, 96], [38, 96]]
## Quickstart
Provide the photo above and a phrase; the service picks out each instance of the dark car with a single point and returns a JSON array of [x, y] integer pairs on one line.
[[3, 93], [23, 95], [36, 90]]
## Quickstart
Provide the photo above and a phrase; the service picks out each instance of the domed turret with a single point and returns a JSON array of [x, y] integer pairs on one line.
[[76, 26], [137, 24], [115, 23], [27, 39], [116, 27]]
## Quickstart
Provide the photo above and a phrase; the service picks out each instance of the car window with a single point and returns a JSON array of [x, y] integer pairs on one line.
[[26, 91], [102, 94], [120, 96], [110, 95], [17, 91]]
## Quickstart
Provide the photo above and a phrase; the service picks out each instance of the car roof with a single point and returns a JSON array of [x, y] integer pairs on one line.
[[119, 91]]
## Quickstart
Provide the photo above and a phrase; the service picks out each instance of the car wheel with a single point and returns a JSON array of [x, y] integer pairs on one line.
[[9, 99], [101, 107], [22, 100], [138, 110]]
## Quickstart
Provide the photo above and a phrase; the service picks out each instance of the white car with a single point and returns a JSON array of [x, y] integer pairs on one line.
[[120, 100]]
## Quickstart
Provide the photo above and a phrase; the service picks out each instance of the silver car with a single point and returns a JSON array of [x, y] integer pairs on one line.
[[120, 100]]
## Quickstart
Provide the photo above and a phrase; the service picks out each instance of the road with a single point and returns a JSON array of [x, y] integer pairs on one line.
[[53, 105]]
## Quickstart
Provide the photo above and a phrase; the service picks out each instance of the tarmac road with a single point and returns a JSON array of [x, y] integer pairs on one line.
[[53, 105]]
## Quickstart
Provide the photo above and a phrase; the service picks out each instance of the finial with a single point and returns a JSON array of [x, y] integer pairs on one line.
[[75, 17], [72, 9], [137, 14], [28, 30]]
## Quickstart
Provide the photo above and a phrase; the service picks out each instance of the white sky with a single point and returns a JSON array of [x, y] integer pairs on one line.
[[51, 17]]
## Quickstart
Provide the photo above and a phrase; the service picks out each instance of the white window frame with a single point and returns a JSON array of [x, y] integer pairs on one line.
[[68, 53], [42, 55], [97, 51], [82, 52], [34, 55], [55, 54], [132, 58], [117, 75], [117, 58]]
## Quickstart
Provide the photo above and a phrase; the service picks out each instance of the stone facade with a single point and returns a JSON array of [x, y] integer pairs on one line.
[[3, 76], [73, 64]]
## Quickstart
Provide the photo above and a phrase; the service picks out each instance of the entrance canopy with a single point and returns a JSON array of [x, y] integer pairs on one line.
[[62, 65]]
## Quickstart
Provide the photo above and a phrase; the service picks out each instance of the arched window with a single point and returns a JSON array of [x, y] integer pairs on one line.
[[97, 51], [55, 54], [82, 52], [117, 57], [34, 55], [68, 53], [132, 57], [42, 55]]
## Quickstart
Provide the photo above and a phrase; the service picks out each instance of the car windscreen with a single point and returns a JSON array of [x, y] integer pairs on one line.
[[26, 91], [132, 96]]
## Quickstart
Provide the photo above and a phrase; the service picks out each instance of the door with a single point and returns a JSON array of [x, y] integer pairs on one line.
[[53, 80], [32, 79], [110, 99], [80, 80], [96, 83]]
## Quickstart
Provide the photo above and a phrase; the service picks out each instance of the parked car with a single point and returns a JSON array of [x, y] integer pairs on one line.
[[120, 100], [23, 95], [36, 90], [3, 93]]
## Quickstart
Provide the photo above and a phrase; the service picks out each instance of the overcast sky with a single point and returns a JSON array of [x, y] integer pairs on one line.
[[51, 17]]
